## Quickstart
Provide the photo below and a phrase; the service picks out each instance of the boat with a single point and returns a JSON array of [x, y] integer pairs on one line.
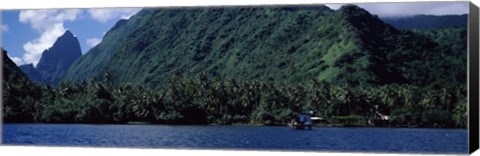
[[302, 121]]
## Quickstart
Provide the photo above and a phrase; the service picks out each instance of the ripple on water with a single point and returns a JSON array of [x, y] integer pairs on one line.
[[240, 137]]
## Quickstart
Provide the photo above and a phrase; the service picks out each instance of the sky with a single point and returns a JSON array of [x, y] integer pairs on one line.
[[408, 9], [27, 33]]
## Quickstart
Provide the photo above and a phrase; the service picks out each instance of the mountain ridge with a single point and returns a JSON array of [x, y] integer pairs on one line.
[[426, 22], [55, 61], [257, 65], [31, 72], [348, 45], [18, 92]]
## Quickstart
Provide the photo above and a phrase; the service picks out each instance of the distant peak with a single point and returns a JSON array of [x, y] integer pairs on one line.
[[28, 65], [68, 34], [352, 9]]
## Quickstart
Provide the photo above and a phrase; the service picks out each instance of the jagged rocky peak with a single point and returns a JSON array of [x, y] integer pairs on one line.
[[56, 60], [67, 43]]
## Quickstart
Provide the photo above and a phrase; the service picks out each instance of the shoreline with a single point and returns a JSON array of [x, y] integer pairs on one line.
[[235, 124]]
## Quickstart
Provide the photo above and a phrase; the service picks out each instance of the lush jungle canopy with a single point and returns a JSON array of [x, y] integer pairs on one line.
[[255, 65]]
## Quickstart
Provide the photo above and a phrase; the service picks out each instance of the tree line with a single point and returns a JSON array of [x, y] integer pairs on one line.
[[200, 100]]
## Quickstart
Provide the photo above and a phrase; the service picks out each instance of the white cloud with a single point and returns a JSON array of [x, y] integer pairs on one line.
[[93, 41], [103, 15], [49, 24], [41, 20], [18, 61], [4, 28], [34, 49]]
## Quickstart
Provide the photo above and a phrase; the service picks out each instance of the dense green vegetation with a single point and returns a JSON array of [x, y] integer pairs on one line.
[[203, 101], [257, 65], [18, 93], [453, 38], [284, 45]]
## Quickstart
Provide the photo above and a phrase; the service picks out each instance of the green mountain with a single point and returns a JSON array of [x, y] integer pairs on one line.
[[11, 73], [284, 45], [257, 65], [19, 93], [427, 21], [55, 61], [454, 38]]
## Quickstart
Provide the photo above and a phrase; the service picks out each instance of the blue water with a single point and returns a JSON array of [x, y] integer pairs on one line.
[[398, 140]]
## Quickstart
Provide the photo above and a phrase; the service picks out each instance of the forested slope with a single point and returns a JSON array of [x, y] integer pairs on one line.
[[277, 44], [262, 65]]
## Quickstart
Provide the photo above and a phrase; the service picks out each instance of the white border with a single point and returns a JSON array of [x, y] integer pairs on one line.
[[84, 151], [62, 151]]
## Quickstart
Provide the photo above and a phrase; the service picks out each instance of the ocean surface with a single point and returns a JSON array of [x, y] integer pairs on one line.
[[376, 140]]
